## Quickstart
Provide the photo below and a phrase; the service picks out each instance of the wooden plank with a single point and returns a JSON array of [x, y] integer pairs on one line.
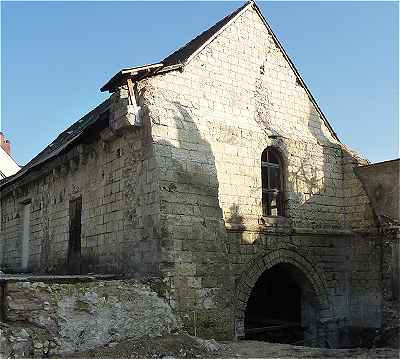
[[67, 278], [272, 321], [132, 96], [270, 328], [141, 68], [131, 92], [270, 164]]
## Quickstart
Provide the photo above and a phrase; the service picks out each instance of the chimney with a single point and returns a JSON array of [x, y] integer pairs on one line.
[[7, 147], [5, 144]]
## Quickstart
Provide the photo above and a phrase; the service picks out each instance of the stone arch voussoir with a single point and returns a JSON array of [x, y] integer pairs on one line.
[[283, 253]]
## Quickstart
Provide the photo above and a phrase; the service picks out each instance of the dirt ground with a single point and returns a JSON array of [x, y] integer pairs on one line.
[[185, 346]]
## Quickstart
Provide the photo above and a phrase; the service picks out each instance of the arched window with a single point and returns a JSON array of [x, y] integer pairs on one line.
[[272, 182]]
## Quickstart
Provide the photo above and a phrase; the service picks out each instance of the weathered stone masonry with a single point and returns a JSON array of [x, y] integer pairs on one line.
[[218, 116], [114, 175], [64, 314], [180, 195]]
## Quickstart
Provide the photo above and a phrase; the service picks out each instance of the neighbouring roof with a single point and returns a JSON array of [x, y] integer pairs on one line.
[[63, 141]]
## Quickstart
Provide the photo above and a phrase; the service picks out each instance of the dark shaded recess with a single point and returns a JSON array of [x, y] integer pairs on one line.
[[272, 182], [74, 241], [273, 311]]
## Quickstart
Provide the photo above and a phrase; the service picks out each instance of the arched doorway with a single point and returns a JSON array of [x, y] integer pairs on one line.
[[282, 307], [282, 297]]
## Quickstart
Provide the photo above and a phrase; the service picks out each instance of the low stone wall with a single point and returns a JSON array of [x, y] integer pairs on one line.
[[41, 318]]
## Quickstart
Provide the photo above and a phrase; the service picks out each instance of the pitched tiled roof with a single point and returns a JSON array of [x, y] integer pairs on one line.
[[180, 57], [176, 60], [62, 142], [71, 134]]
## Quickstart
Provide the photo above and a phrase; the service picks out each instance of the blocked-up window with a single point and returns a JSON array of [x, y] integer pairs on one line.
[[272, 182], [74, 243], [26, 234], [396, 268]]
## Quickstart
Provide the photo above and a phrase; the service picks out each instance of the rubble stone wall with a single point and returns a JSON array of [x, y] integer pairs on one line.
[[49, 319]]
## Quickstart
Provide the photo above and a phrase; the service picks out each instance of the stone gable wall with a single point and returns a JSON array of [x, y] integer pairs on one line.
[[210, 124], [238, 91], [181, 195]]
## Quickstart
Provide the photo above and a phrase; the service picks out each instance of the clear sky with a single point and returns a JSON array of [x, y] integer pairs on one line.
[[56, 55]]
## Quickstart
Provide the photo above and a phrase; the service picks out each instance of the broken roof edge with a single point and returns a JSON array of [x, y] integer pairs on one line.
[[174, 60], [37, 161], [118, 79], [225, 22]]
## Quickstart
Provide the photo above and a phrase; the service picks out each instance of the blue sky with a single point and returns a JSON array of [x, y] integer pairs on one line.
[[56, 55]]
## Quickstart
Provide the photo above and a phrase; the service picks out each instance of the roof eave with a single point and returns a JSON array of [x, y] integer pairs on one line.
[[32, 165], [110, 83], [123, 74]]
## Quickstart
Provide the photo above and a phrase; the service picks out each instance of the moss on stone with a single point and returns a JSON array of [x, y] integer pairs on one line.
[[81, 306], [158, 286], [203, 323]]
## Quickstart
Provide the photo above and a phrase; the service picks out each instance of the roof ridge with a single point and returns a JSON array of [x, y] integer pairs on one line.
[[181, 56], [184, 53]]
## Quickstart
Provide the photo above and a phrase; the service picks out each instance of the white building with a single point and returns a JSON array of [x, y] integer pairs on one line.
[[8, 166]]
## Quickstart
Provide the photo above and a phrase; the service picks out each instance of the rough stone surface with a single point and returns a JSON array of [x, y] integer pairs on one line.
[[184, 346], [381, 181], [210, 125], [62, 318], [181, 195], [115, 175], [15, 343]]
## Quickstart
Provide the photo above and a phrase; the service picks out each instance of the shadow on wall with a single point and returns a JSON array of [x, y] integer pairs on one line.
[[194, 239], [313, 186], [139, 249], [305, 170], [306, 181], [192, 223]]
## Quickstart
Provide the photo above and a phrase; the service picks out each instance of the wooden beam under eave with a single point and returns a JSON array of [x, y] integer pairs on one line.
[[134, 71], [131, 92]]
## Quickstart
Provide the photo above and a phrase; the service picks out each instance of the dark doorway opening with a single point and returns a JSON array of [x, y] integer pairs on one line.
[[276, 307], [74, 243]]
